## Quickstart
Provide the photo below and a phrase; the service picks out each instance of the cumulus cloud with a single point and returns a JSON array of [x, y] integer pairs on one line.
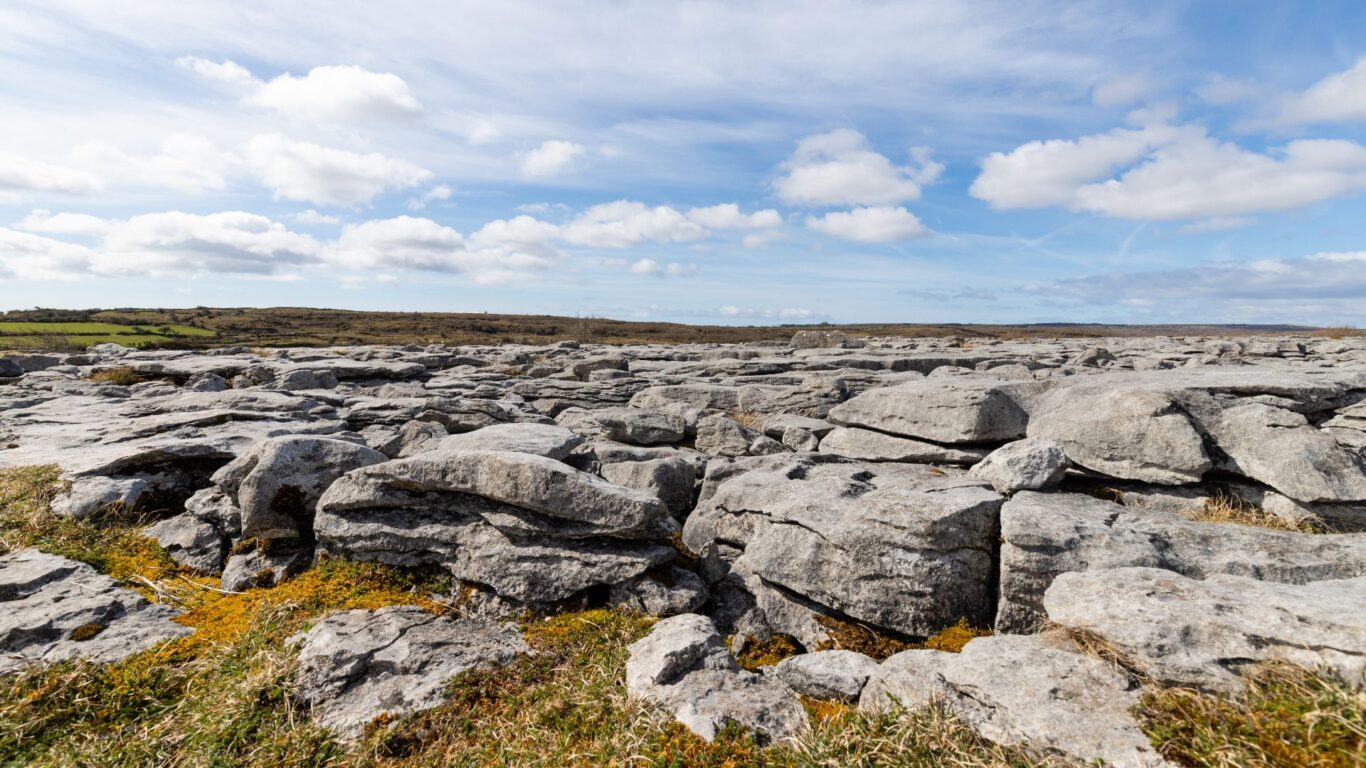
[[1340, 97], [552, 158], [1173, 173], [32, 257], [729, 216], [656, 269], [176, 243], [326, 93], [839, 168], [21, 174], [186, 163], [1201, 178], [300, 170], [625, 223], [439, 192], [406, 242], [81, 224], [1041, 174], [789, 314], [880, 224]]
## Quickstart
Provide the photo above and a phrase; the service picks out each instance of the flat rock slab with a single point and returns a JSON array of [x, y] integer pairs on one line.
[[1047, 534], [548, 440], [1205, 634], [357, 665], [54, 609], [942, 410], [1023, 690]]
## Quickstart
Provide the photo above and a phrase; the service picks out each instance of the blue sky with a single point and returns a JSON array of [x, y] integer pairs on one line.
[[704, 162]]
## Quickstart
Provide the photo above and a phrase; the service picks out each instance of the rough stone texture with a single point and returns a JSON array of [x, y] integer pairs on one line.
[[826, 675], [278, 483], [265, 563], [721, 436], [1047, 534], [1204, 634], [867, 445], [48, 603], [549, 440], [966, 411], [1128, 434], [895, 546], [800, 439], [683, 667], [671, 480], [640, 426], [1031, 464], [531, 528], [90, 495], [357, 665], [1024, 689], [674, 591]]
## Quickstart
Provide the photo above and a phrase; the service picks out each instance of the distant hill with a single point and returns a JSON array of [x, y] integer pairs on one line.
[[298, 326]]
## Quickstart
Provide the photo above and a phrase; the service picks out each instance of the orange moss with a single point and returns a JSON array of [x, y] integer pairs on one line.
[[952, 639], [87, 631], [850, 636], [766, 653]]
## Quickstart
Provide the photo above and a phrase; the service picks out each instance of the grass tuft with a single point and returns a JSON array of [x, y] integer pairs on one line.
[[1225, 507], [122, 376]]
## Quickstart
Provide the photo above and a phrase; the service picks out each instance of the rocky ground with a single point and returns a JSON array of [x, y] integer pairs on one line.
[[819, 524]]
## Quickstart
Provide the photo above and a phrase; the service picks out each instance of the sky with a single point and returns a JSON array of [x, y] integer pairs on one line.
[[790, 161]]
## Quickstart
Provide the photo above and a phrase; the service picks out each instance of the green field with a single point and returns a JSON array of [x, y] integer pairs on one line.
[[50, 336]]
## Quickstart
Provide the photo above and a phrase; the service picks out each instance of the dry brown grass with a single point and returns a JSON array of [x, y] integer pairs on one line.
[[1226, 507], [1340, 332], [122, 376]]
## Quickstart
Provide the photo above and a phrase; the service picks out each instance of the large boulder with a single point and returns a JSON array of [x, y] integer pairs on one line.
[[355, 666], [1024, 690], [902, 547], [1030, 464], [1132, 434], [1047, 534], [549, 440], [969, 410], [825, 675], [867, 445], [640, 426], [278, 483], [533, 529], [54, 609], [683, 667], [1205, 634]]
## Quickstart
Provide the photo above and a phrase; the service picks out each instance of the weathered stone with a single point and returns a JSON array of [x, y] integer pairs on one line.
[[90, 495], [1047, 534], [355, 666], [277, 485], [682, 667], [671, 480], [548, 440], [867, 445], [722, 436], [970, 410], [1205, 634], [672, 592], [640, 426], [53, 609], [1030, 464], [1125, 433], [1024, 690], [826, 675], [800, 440]]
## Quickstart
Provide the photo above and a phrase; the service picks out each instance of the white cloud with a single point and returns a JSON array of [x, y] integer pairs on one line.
[[625, 223], [552, 158], [174, 243], [1340, 97], [787, 313], [81, 224], [761, 239], [654, 268], [1047, 173], [186, 163], [838, 168], [406, 242], [882, 224], [519, 230], [311, 216], [32, 257], [1201, 178], [439, 192], [1173, 173], [728, 216], [299, 170], [20, 174], [325, 94], [1222, 91], [1123, 90]]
